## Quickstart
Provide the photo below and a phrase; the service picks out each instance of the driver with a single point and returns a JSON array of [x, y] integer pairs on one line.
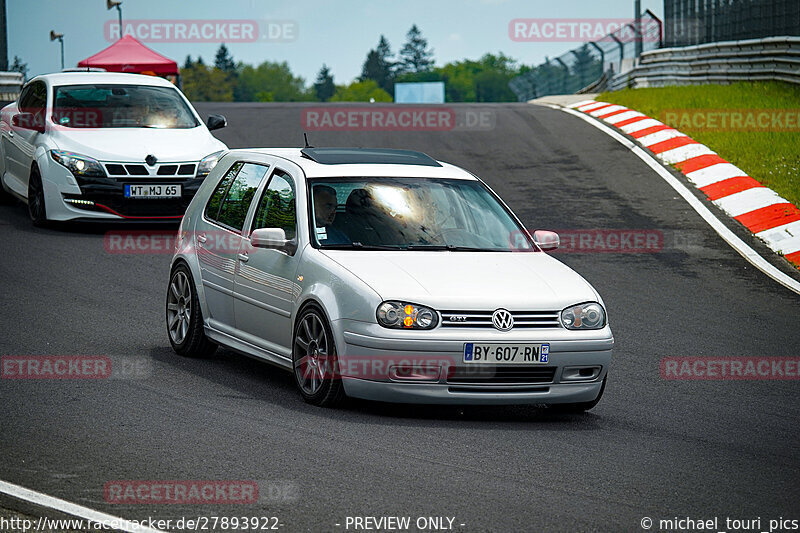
[[324, 214]]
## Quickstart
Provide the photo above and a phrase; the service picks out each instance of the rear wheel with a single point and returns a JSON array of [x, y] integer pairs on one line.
[[6, 198], [184, 318], [580, 407], [316, 368], [36, 206]]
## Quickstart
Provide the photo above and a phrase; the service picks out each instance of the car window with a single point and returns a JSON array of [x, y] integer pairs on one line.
[[237, 200], [121, 106], [214, 203], [33, 98], [277, 207]]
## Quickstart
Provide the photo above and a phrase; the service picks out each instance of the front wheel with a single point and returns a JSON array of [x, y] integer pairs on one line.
[[316, 368], [184, 318], [580, 407], [36, 206]]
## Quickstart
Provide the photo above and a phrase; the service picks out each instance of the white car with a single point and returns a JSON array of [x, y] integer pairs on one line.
[[104, 146], [383, 274]]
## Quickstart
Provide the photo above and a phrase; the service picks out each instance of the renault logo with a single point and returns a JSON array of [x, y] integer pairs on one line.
[[150, 160], [502, 320]]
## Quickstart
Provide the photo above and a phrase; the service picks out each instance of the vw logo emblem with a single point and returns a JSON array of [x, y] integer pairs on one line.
[[502, 320]]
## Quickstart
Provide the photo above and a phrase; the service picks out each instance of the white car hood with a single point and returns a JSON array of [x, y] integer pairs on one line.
[[527, 281], [134, 144]]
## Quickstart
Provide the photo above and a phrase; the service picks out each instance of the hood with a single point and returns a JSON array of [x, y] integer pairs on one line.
[[134, 144], [529, 281]]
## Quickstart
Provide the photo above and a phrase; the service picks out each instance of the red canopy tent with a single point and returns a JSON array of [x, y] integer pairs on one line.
[[129, 55]]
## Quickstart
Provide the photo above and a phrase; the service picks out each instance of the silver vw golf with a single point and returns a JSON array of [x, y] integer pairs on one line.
[[382, 274]]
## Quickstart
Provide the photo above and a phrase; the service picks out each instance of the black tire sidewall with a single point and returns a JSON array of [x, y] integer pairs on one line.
[[195, 343], [330, 391], [42, 220]]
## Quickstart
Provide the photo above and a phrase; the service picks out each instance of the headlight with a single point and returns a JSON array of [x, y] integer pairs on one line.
[[401, 315], [79, 165], [208, 163], [584, 316]]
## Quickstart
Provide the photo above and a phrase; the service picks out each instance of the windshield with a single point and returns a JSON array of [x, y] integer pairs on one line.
[[121, 106], [411, 214]]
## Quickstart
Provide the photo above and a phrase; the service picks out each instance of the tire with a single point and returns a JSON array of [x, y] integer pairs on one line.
[[580, 407], [314, 361], [6, 198], [184, 317], [36, 203]]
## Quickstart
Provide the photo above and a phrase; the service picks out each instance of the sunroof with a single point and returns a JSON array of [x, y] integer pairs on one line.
[[383, 156]]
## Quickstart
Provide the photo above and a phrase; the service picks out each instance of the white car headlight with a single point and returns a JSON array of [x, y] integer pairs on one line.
[[208, 163], [401, 315], [79, 165], [589, 315]]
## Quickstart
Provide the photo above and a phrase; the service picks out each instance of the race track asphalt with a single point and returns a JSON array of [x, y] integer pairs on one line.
[[652, 448]]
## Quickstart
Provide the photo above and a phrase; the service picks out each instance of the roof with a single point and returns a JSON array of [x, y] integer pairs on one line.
[[341, 156], [313, 169], [129, 55], [78, 78]]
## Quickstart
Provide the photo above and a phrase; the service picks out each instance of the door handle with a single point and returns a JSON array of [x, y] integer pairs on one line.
[[244, 258], [201, 238]]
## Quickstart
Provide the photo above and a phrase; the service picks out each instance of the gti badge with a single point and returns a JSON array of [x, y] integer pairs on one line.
[[502, 320], [150, 160]]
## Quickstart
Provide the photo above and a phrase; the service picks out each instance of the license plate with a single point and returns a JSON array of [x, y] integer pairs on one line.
[[501, 354], [152, 191]]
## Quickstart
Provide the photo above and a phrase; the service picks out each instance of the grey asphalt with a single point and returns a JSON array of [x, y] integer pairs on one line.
[[652, 448]]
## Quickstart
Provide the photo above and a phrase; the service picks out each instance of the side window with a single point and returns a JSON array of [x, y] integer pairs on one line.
[[277, 208], [237, 200], [24, 98], [33, 98], [214, 203]]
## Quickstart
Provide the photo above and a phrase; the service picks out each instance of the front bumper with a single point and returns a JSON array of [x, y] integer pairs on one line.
[[427, 367], [70, 197]]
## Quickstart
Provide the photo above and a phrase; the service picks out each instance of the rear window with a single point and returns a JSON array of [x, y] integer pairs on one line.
[[238, 194]]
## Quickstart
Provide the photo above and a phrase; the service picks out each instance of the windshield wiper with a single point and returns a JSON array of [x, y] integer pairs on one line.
[[358, 246], [449, 247]]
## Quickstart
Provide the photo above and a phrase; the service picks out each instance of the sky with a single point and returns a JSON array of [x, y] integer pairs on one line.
[[305, 33]]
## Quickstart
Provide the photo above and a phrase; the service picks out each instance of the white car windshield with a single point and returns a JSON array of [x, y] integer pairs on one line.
[[412, 214], [121, 106]]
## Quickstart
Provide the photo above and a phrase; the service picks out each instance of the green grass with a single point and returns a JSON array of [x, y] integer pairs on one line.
[[771, 157]]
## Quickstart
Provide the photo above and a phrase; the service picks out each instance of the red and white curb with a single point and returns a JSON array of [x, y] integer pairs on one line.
[[771, 218]]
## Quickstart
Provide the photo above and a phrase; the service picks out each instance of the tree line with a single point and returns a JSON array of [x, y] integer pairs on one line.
[[483, 80]]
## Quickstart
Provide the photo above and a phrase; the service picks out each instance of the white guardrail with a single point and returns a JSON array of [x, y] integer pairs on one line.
[[10, 85], [772, 58]]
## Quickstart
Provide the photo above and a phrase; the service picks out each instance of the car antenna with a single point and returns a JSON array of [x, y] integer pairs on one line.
[[305, 138]]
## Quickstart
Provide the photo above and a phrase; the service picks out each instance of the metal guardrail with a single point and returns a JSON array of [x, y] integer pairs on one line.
[[10, 85], [590, 63], [771, 58]]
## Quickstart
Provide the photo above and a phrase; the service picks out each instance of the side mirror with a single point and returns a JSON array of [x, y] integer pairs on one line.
[[272, 238], [29, 121], [216, 122], [546, 240]]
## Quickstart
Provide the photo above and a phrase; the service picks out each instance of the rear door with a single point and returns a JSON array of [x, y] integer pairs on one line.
[[218, 237], [266, 290]]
